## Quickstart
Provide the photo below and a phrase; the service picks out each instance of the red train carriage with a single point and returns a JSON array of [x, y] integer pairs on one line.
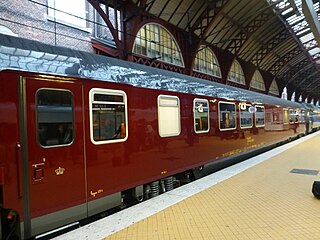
[[80, 132]]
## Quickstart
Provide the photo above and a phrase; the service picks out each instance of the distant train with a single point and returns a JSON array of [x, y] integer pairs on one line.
[[81, 134]]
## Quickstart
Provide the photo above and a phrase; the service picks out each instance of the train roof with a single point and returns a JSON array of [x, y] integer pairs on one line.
[[31, 56], [310, 107]]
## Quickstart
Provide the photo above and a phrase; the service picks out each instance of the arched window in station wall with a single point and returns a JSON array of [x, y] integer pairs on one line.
[[274, 90], [236, 73], [257, 82], [206, 62], [293, 98], [156, 42], [284, 94]]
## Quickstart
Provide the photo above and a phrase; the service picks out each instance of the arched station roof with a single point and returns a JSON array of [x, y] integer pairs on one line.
[[274, 35]]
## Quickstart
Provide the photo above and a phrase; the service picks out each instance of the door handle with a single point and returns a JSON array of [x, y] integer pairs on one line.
[[19, 168], [38, 172]]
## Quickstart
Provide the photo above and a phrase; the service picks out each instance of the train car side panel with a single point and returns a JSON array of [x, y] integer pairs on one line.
[[10, 147], [89, 141], [56, 162]]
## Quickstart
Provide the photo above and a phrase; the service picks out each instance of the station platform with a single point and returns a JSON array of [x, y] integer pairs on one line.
[[265, 197]]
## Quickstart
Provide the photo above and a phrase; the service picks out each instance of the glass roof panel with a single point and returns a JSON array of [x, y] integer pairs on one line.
[[298, 23], [287, 11], [314, 51], [307, 38], [303, 31]]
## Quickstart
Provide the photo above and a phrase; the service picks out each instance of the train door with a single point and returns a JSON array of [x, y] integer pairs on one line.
[[55, 154]]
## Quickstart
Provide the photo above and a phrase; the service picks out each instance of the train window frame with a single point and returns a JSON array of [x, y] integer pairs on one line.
[[124, 102], [286, 116], [163, 120], [264, 116], [294, 115], [54, 140], [247, 106], [235, 116], [194, 115]]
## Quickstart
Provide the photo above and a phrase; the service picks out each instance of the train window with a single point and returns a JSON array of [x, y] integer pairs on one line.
[[55, 121], [259, 116], [168, 116], [294, 115], [201, 115], [227, 116], [286, 118], [302, 116], [108, 116], [245, 115]]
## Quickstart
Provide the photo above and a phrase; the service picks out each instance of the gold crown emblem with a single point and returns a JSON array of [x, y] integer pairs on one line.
[[59, 171]]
